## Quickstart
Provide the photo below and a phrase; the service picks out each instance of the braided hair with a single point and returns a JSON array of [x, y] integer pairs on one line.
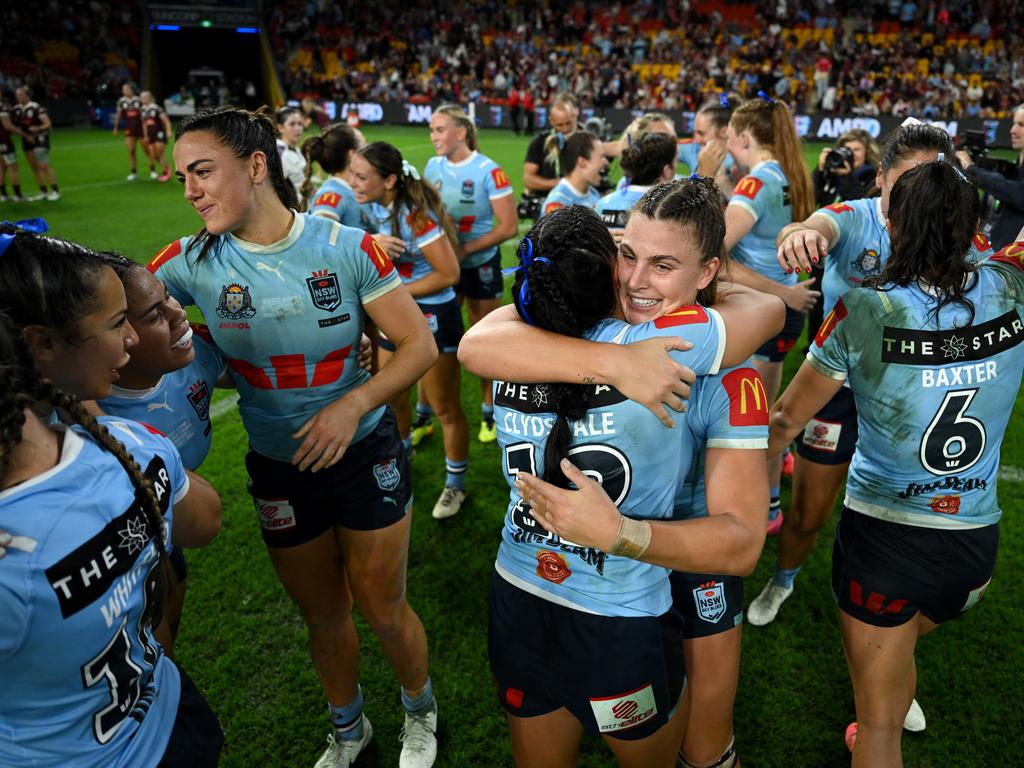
[[644, 160], [566, 286], [330, 149], [21, 387], [243, 133]]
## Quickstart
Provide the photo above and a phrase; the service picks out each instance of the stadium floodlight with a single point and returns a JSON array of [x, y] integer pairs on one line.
[[165, 27], [247, 30], [205, 23]]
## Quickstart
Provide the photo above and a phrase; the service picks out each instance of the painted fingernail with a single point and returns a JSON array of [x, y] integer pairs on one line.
[[807, 270]]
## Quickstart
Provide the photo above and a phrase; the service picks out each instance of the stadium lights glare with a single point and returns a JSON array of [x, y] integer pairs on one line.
[[205, 23], [247, 30], [165, 27]]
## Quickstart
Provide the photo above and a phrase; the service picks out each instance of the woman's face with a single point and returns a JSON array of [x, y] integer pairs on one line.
[[887, 180], [291, 129], [658, 269], [446, 135], [738, 145], [165, 339], [593, 164], [88, 368], [704, 129], [367, 183], [220, 186], [860, 152]]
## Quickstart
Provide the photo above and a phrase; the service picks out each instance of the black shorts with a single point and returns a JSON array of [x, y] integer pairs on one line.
[[883, 573], [483, 281], [445, 322], [41, 141], [196, 738], [133, 128], [709, 604], [7, 151], [831, 436], [620, 677], [156, 135], [775, 350], [369, 489], [177, 558]]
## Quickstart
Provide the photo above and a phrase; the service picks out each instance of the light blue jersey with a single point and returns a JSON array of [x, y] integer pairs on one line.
[[727, 410], [287, 317], [468, 189], [860, 247], [565, 194], [336, 200], [412, 265], [933, 396], [613, 207], [85, 685], [764, 194], [179, 404], [688, 151], [620, 443]]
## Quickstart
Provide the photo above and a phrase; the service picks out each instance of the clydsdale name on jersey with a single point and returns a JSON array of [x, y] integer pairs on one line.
[[527, 401], [111, 557]]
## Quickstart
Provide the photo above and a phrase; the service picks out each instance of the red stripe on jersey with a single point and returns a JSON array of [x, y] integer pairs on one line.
[[466, 223], [429, 225], [405, 269], [829, 324], [501, 179], [552, 207], [838, 208], [687, 141], [748, 400], [748, 186], [328, 198], [1013, 254], [151, 429], [165, 255], [203, 332], [290, 371], [255, 376], [329, 369], [377, 255], [684, 316]]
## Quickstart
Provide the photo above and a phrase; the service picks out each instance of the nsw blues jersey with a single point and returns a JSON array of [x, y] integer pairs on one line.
[[764, 194], [412, 265], [861, 247], [84, 683], [179, 404], [467, 189], [727, 410], [613, 207], [933, 396], [624, 446], [688, 151], [336, 200], [565, 194], [287, 317]]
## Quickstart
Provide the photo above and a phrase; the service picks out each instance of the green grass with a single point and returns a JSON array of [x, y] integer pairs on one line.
[[244, 643]]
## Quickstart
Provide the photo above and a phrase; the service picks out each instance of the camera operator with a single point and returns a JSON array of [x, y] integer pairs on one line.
[[847, 170], [1002, 181]]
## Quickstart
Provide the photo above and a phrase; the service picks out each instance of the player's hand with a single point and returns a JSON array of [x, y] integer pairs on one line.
[[800, 297], [586, 516], [393, 246], [5, 540], [326, 436], [365, 357], [965, 158], [617, 234], [801, 250], [648, 375], [821, 157], [710, 157]]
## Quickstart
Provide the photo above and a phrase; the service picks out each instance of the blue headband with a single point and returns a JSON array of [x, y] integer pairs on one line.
[[35, 226], [766, 97], [527, 258]]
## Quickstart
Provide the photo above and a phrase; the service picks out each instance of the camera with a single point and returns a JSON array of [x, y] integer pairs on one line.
[[599, 128], [974, 144], [839, 157], [529, 206]]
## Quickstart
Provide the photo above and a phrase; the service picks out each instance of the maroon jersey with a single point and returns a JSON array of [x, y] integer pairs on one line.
[[26, 116], [130, 108], [152, 123]]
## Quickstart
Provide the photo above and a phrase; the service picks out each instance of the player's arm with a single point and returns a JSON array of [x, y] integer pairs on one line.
[[44, 124], [501, 346], [507, 226], [533, 181], [117, 121], [751, 318], [167, 123], [444, 266], [806, 394], [803, 244], [10, 127], [197, 516]]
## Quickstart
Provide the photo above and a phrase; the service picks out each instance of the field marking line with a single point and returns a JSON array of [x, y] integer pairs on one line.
[[1011, 474], [224, 406]]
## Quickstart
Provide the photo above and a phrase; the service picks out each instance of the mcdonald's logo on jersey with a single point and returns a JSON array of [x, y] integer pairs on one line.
[[427, 225], [828, 325], [749, 186], [838, 208], [748, 400], [328, 198], [1012, 254], [552, 207], [166, 254], [377, 255], [501, 179], [688, 315], [981, 242]]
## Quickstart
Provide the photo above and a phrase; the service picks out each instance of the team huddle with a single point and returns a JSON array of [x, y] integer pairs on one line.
[[632, 388]]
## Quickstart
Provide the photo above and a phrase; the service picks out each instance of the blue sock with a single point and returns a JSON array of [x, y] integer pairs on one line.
[[407, 444], [774, 505], [421, 702], [348, 720], [424, 411], [784, 577], [487, 412], [456, 473]]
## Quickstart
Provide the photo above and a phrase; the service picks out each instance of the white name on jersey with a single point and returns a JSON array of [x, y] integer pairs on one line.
[[525, 425], [959, 376]]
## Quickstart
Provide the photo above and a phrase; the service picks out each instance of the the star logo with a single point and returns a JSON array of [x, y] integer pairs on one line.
[[134, 538], [540, 395], [954, 347]]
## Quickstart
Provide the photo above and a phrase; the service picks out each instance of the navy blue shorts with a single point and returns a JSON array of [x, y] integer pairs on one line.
[[709, 604], [620, 677], [775, 350], [883, 573], [483, 281], [444, 321], [177, 558], [369, 489], [831, 436], [196, 737]]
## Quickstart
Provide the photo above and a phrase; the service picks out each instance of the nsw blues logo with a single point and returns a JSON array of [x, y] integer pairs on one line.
[[387, 475], [710, 601], [324, 290], [235, 302], [199, 399], [468, 189]]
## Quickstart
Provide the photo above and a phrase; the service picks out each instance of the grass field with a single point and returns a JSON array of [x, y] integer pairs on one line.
[[244, 643]]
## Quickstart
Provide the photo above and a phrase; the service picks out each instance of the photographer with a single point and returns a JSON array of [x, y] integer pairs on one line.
[[1002, 181], [847, 170]]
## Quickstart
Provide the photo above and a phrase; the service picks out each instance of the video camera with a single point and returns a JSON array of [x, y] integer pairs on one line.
[[601, 130], [974, 144], [529, 206]]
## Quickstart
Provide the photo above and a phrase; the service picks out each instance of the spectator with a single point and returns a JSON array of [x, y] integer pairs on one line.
[[1008, 192]]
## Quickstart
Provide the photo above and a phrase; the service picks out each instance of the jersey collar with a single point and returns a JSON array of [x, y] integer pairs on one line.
[[69, 451], [298, 224], [878, 212], [135, 394], [467, 161]]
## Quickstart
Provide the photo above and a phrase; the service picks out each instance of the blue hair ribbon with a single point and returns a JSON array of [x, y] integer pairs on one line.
[[527, 258], [560, 140], [36, 226], [693, 176], [942, 159], [766, 97], [723, 99]]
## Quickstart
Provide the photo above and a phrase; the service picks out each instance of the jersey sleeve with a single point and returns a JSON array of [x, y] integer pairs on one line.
[[552, 202], [980, 250], [702, 327], [170, 265], [17, 611], [432, 171], [327, 203], [829, 354], [373, 272], [497, 183], [208, 356], [687, 153], [1009, 263], [751, 194], [733, 408], [836, 215]]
